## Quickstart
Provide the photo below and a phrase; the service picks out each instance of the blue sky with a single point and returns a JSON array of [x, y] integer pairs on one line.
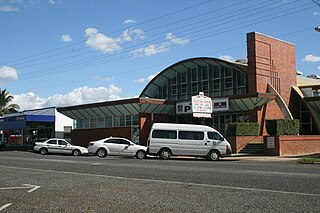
[[68, 52]]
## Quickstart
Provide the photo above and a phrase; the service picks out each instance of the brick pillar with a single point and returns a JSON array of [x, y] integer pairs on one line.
[[270, 61], [146, 121]]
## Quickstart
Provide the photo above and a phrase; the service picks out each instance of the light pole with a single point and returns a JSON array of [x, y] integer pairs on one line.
[[317, 28]]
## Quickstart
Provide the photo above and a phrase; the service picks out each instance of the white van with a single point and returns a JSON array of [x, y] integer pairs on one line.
[[166, 139]]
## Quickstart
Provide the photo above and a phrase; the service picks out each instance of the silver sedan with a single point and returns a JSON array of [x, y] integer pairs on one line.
[[59, 146]]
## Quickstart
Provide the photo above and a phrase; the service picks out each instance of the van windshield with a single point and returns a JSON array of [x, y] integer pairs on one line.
[[215, 136]]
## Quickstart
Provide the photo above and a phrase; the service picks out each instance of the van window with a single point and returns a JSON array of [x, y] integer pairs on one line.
[[215, 136], [191, 135], [170, 134]]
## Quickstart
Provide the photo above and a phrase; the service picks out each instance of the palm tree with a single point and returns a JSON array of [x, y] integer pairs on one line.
[[5, 106]]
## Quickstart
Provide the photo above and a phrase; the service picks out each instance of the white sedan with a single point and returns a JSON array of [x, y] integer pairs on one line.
[[59, 146], [117, 146]]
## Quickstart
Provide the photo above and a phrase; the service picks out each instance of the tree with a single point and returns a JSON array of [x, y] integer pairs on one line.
[[5, 106]]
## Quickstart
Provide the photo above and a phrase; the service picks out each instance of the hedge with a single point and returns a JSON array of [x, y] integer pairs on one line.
[[243, 129], [282, 127]]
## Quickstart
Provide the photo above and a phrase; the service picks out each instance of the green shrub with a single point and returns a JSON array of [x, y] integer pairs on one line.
[[282, 127], [243, 129]]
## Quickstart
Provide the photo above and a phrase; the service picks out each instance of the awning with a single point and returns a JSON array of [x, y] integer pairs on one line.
[[119, 108], [250, 102], [313, 102]]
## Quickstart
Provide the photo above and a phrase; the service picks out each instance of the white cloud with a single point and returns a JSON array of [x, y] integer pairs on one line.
[[84, 95], [129, 21], [52, 2], [106, 44], [318, 67], [226, 57], [101, 42], [7, 8], [147, 79], [315, 14], [66, 38], [132, 34], [153, 49], [81, 95], [176, 40], [8, 73], [28, 101], [311, 58]]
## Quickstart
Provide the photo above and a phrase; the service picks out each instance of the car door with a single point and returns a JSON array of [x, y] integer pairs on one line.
[[126, 148], [52, 146], [64, 147], [214, 141], [113, 146]]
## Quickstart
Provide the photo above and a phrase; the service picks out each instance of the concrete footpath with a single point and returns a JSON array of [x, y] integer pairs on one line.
[[241, 157]]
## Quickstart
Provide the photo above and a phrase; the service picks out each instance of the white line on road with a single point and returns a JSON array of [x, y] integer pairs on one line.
[[167, 182], [26, 186], [5, 206]]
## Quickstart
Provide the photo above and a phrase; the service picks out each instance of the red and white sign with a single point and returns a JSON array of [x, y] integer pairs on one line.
[[201, 106]]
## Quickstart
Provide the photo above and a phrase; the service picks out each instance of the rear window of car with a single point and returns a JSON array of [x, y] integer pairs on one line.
[[52, 142], [168, 134], [191, 135], [112, 141]]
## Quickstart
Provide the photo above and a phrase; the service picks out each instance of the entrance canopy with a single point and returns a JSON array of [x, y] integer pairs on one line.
[[119, 108], [314, 102], [250, 102]]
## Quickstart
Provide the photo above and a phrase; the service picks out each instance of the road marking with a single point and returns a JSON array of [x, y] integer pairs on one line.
[[5, 206], [26, 186], [166, 181], [96, 163]]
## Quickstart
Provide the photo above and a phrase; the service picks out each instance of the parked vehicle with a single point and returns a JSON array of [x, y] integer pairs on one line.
[[59, 146], [167, 139], [117, 146]]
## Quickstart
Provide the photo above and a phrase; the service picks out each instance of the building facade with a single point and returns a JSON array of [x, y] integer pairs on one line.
[[266, 87], [26, 127]]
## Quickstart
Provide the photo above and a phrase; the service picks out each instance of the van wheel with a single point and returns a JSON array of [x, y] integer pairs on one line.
[[213, 155], [165, 154]]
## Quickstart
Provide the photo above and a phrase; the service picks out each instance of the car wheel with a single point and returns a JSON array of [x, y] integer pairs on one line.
[[141, 154], [43, 151], [76, 152], [102, 153], [165, 154], [213, 155]]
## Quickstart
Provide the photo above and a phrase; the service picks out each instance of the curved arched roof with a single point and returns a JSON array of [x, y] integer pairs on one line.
[[169, 72]]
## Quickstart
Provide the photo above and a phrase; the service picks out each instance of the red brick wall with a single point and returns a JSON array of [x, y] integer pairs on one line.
[[299, 145], [83, 136], [270, 61], [295, 145], [146, 123]]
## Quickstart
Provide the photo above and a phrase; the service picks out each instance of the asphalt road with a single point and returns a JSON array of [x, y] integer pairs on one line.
[[116, 184]]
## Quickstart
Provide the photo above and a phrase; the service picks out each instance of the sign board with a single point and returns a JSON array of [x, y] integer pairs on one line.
[[201, 106], [270, 143], [183, 107], [221, 104]]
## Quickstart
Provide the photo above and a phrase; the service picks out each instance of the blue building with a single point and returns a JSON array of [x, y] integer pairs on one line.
[[26, 127]]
